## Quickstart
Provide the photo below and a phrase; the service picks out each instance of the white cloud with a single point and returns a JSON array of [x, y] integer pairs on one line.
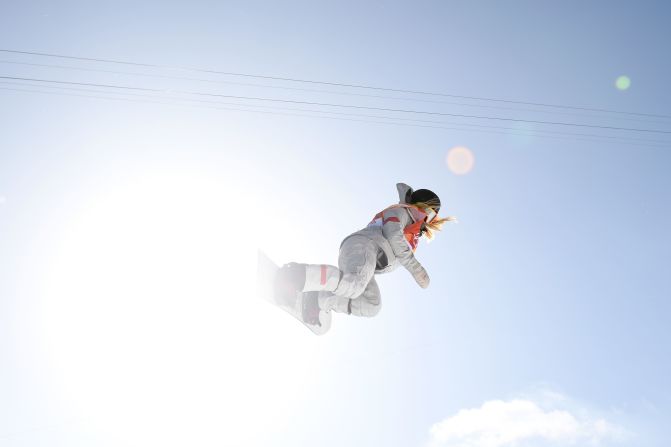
[[500, 423]]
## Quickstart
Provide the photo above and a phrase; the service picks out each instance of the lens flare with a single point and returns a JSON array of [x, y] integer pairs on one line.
[[460, 160], [623, 83]]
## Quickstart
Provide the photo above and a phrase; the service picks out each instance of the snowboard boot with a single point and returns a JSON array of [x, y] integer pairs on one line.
[[329, 302], [310, 311], [320, 277], [289, 283]]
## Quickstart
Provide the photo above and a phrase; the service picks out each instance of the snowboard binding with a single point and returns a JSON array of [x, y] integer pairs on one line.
[[310, 308], [289, 283]]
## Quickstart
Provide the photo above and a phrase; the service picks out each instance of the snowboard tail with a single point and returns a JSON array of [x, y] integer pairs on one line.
[[267, 289]]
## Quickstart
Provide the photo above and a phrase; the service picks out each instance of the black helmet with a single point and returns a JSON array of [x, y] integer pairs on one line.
[[426, 196]]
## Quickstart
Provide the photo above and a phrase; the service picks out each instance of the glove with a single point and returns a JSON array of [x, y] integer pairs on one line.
[[422, 278]]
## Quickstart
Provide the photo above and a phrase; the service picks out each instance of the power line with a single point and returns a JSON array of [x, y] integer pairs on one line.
[[291, 114], [84, 84], [394, 120], [421, 112], [530, 132], [338, 84], [330, 92], [250, 109]]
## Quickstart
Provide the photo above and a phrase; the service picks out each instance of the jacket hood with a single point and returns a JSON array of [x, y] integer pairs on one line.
[[404, 193]]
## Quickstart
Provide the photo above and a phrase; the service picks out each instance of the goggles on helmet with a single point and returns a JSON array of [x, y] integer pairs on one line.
[[430, 214]]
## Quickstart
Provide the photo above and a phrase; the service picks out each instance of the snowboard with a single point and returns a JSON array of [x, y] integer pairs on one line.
[[266, 272]]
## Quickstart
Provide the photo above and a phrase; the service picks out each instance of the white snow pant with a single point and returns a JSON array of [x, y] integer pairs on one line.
[[351, 288]]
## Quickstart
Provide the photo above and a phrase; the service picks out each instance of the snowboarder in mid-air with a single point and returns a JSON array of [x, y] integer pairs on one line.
[[312, 291]]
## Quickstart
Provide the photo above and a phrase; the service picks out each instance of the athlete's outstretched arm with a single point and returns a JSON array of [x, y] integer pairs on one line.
[[395, 220]]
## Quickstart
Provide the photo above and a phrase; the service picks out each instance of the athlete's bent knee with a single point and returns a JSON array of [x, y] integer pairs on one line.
[[351, 286]]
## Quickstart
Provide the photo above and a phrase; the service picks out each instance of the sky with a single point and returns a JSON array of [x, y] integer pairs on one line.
[[149, 149]]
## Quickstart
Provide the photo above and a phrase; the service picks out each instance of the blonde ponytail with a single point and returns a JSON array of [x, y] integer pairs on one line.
[[437, 223]]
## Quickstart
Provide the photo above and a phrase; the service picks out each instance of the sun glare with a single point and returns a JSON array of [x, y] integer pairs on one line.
[[152, 322]]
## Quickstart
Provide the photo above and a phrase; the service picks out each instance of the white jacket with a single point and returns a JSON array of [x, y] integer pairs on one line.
[[389, 237]]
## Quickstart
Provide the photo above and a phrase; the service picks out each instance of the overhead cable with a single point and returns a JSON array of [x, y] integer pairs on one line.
[[421, 112], [338, 84]]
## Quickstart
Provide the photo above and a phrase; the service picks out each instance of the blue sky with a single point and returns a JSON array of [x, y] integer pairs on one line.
[[129, 224]]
